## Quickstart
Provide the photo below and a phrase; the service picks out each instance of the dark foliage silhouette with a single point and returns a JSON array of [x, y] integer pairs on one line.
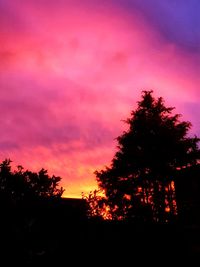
[[25, 207], [96, 205], [19, 184], [140, 183], [154, 172], [187, 185]]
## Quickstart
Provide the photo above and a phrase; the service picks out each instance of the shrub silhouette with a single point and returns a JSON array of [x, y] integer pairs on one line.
[[20, 184], [26, 211]]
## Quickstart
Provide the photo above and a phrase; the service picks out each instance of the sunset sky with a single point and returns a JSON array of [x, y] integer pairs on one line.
[[71, 71]]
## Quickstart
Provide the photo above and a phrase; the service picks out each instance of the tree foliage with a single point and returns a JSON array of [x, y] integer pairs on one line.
[[28, 219], [23, 185], [96, 205], [140, 180]]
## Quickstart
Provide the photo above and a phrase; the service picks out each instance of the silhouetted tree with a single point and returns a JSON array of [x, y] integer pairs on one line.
[[139, 184], [21, 185], [96, 205], [26, 199], [187, 194]]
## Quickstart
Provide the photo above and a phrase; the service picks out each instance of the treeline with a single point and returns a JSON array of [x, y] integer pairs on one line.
[[153, 176], [153, 182]]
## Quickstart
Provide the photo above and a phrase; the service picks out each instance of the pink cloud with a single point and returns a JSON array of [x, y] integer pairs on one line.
[[70, 73]]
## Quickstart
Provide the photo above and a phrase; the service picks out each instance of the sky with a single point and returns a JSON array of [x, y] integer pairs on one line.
[[71, 71]]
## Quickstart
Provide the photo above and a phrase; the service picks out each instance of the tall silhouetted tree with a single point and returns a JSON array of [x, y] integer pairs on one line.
[[140, 181]]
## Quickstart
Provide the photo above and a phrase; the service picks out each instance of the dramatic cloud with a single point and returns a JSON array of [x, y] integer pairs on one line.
[[70, 71]]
